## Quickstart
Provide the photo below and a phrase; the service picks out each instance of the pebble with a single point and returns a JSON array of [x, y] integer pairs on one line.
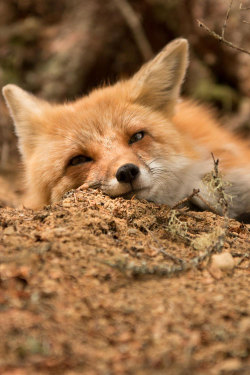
[[223, 261]]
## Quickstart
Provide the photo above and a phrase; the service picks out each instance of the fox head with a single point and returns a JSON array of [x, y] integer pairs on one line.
[[119, 138]]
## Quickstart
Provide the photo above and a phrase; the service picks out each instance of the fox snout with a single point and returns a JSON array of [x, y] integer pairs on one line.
[[127, 178], [127, 173]]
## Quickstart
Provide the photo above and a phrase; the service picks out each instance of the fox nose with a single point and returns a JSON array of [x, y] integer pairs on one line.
[[127, 172]]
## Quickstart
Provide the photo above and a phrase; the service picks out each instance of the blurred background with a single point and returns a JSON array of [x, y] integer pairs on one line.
[[61, 49]]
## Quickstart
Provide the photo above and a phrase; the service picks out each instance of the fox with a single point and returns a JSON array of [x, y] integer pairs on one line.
[[135, 138]]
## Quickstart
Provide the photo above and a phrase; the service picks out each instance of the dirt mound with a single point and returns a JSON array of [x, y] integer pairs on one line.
[[95, 285]]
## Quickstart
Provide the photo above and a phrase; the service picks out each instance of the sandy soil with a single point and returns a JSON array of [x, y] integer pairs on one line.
[[82, 291]]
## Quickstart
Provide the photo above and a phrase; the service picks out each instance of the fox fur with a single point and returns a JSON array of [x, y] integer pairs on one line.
[[141, 122]]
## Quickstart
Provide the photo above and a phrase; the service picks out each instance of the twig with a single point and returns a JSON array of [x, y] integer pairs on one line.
[[244, 256], [166, 255], [239, 255], [226, 19], [172, 257], [211, 208], [167, 271], [135, 26], [221, 39], [163, 251], [194, 193], [216, 165], [222, 198]]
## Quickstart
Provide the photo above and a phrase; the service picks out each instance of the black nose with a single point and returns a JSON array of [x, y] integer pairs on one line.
[[127, 173]]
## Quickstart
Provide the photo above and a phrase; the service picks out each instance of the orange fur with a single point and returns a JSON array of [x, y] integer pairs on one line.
[[198, 123], [135, 137]]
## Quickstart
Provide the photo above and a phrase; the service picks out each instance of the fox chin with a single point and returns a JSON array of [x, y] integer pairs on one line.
[[137, 137]]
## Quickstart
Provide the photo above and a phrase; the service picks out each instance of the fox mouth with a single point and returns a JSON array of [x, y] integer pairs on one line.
[[130, 194]]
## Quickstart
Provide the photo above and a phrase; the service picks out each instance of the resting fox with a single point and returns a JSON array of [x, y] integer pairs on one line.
[[133, 138]]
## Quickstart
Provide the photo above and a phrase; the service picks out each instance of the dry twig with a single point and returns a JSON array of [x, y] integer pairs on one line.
[[135, 26], [243, 257], [223, 201], [193, 194], [226, 19], [172, 257], [211, 208], [143, 269], [221, 39]]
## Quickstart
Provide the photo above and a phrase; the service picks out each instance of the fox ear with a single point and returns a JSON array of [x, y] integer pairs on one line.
[[23, 107], [157, 84]]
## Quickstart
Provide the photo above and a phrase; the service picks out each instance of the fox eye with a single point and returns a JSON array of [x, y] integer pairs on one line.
[[79, 159], [136, 137]]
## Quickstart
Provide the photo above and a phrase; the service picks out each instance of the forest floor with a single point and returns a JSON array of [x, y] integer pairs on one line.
[[94, 285]]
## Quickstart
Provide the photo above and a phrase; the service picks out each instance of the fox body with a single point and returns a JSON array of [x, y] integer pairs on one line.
[[136, 137]]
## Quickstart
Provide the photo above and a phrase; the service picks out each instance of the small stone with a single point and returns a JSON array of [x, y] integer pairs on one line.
[[244, 325], [67, 202], [232, 364], [9, 230], [224, 261], [132, 231]]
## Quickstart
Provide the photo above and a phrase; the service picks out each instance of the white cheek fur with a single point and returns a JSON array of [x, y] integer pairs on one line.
[[175, 178], [178, 177], [114, 188], [169, 181]]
